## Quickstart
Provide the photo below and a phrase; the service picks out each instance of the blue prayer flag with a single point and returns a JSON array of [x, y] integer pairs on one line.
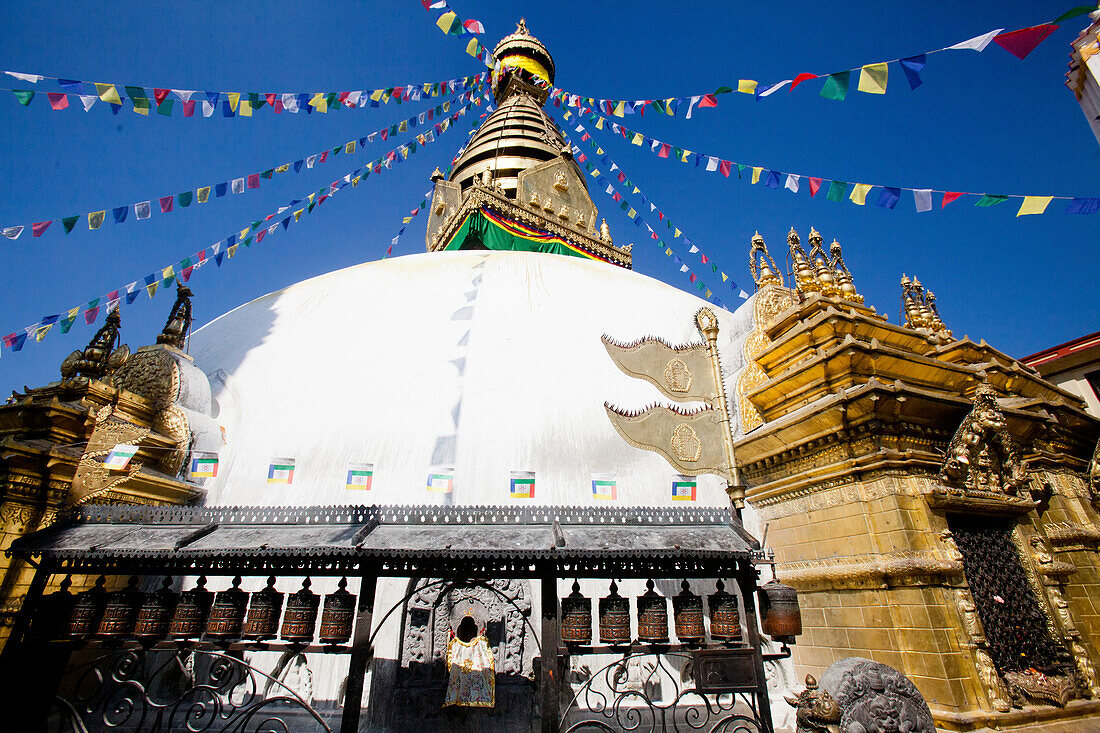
[[1083, 206], [912, 67], [220, 189], [888, 198], [772, 181], [298, 165], [120, 214], [227, 111]]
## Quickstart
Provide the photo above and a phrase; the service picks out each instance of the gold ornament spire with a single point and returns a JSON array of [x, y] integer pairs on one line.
[[921, 314], [846, 289], [804, 279], [764, 271]]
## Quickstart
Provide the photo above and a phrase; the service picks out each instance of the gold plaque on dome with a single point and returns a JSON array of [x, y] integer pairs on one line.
[[693, 442], [686, 444], [682, 373]]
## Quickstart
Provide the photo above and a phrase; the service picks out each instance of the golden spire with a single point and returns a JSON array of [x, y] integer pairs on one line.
[[921, 313], [846, 289], [823, 271], [804, 279], [764, 271]]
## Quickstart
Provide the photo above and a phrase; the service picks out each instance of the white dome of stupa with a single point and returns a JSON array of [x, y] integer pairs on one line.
[[484, 362]]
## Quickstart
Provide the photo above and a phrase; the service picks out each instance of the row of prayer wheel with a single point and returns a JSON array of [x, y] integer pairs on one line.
[[198, 613], [780, 616]]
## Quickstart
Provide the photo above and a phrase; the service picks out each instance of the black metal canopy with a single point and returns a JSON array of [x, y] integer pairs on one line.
[[395, 539]]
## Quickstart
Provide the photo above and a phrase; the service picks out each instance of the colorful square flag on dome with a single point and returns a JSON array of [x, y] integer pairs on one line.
[[360, 476], [281, 471], [522, 485], [441, 480], [120, 456], [605, 486], [204, 465], [683, 488]]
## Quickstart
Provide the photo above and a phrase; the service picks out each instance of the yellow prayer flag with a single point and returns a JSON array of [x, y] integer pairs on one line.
[[748, 86], [859, 193], [637, 139], [243, 233], [406, 220], [246, 108], [471, 47], [620, 109], [404, 126], [95, 219], [350, 147], [283, 168], [318, 102], [756, 174], [599, 123], [234, 98], [167, 272], [376, 94], [632, 213], [709, 294], [310, 197], [725, 277], [232, 251], [141, 110], [108, 93], [298, 214], [872, 78], [684, 156], [446, 20], [1034, 205], [676, 233], [636, 190], [355, 181], [599, 150], [447, 106], [668, 253], [203, 194], [405, 152]]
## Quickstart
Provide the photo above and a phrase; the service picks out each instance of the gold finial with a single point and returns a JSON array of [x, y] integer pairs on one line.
[[761, 264], [437, 175], [100, 357], [804, 280], [921, 313], [846, 289], [605, 233], [822, 270], [178, 326], [521, 27]]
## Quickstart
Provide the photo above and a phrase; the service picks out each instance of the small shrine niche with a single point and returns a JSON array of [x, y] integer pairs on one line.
[[982, 457]]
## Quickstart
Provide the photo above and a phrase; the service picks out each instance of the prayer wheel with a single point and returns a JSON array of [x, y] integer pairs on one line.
[[338, 615], [192, 608], [263, 613], [300, 617], [227, 614], [652, 616], [120, 613], [614, 618], [780, 617], [87, 610], [57, 608], [687, 614], [725, 618], [155, 613], [576, 617]]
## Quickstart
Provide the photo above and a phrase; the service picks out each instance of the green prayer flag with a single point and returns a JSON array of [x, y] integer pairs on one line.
[[185, 198], [330, 99], [1074, 12], [268, 173], [24, 96], [836, 86], [990, 200], [247, 242], [69, 222], [741, 169], [311, 205], [624, 205], [837, 189], [139, 97], [66, 324], [165, 107], [723, 90], [256, 100]]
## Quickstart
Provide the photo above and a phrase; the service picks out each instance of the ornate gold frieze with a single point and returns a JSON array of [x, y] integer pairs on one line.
[[92, 477], [771, 300], [907, 567], [836, 492], [1067, 536], [680, 372], [982, 458]]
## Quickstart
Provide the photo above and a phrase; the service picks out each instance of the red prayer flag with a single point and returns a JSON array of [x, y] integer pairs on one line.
[[277, 105], [90, 315], [188, 108], [815, 183], [804, 76], [1022, 42], [166, 204], [253, 180], [160, 94], [708, 100], [272, 98], [704, 258], [948, 197], [260, 235], [40, 226], [664, 151], [692, 277], [323, 158], [58, 100], [724, 166]]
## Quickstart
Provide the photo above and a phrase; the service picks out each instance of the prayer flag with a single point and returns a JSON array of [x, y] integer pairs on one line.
[[108, 93], [772, 181], [166, 204], [58, 100], [12, 232], [792, 183], [119, 457], [204, 465], [441, 480], [151, 282], [69, 222], [977, 43], [836, 86], [142, 210], [771, 89], [1074, 12], [804, 76], [1022, 42], [1034, 205], [185, 198], [253, 180], [683, 488], [989, 199], [756, 174], [859, 193], [360, 476], [203, 194], [280, 471], [167, 274], [238, 185], [95, 219], [724, 168], [815, 183], [747, 86], [444, 22], [39, 227], [1083, 206], [888, 198], [120, 213], [948, 197], [922, 199], [912, 67], [872, 78], [837, 189], [521, 485], [605, 486]]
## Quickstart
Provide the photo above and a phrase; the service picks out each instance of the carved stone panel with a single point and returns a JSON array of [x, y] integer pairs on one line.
[[875, 697]]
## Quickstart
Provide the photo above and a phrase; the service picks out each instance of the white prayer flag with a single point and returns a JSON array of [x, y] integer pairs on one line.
[[792, 182], [141, 210], [922, 199], [978, 43], [238, 185]]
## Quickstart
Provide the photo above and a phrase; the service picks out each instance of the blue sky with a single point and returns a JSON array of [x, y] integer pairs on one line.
[[980, 123]]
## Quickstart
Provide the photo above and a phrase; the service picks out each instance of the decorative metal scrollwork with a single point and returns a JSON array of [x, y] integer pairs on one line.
[[640, 692], [197, 690]]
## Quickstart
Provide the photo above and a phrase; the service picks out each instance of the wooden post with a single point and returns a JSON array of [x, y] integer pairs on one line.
[[746, 579], [549, 685], [360, 652]]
